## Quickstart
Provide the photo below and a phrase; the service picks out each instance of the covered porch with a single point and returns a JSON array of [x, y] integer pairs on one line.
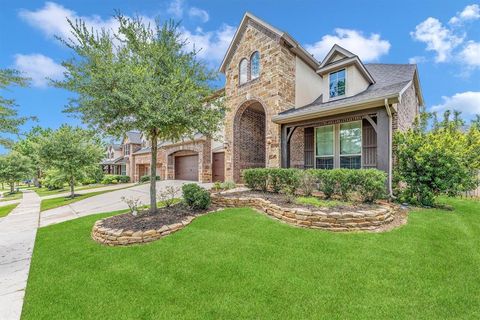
[[358, 140]]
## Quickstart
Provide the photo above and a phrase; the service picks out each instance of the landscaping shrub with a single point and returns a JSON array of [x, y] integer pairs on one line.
[[195, 196], [168, 195], [345, 181], [370, 184], [114, 179], [326, 182], [307, 182], [227, 185], [147, 178], [274, 179], [256, 178], [440, 159]]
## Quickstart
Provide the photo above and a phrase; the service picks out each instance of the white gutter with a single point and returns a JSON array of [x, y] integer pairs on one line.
[[390, 155]]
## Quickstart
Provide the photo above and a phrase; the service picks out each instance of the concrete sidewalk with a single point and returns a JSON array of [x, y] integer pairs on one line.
[[106, 202], [17, 239]]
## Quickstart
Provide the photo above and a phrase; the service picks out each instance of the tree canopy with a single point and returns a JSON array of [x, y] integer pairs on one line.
[[71, 151], [14, 167], [141, 77], [9, 119]]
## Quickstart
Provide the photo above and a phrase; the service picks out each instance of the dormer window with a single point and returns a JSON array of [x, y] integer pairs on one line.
[[255, 65], [337, 83], [243, 71]]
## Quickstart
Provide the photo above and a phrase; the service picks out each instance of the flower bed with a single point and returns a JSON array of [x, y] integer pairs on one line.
[[126, 229], [351, 218]]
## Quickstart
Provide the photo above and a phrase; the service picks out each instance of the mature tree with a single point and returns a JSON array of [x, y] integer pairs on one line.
[[9, 119], [140, 77], [72, 151], [14, 167], [443, 160], [29, 146]]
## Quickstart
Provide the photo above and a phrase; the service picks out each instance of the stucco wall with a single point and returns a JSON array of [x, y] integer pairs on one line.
[[308, 84]]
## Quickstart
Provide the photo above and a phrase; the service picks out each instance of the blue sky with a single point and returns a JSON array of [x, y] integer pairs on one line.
[[442, 37]]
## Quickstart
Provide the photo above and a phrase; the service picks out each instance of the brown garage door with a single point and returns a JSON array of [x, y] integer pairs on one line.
[[186, 168], [218, 169]]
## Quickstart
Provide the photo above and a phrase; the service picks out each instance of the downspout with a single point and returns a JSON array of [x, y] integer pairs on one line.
[[390, 155]]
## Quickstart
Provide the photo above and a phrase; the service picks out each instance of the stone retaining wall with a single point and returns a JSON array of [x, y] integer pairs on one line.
[[120, 237], [333, 221]]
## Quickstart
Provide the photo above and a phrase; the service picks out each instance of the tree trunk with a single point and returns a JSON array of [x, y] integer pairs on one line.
[[72, 187], [153, 173], [12, 187]]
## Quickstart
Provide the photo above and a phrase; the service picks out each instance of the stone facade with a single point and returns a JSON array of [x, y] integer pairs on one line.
[[407, 110], [361, 220], [274, 89]]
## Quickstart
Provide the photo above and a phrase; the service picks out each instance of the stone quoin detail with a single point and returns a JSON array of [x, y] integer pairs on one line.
[[360, 220]]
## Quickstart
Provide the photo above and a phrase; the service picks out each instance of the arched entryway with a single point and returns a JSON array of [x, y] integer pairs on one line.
[[249, 138]]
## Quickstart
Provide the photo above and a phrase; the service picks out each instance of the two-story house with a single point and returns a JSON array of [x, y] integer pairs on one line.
[[286, 109]]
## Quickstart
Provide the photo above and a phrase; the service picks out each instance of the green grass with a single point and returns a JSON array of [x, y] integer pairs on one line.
[[239, 264], [11, 196], [316, 202], [42, 192], [52, 203], [5, 210]]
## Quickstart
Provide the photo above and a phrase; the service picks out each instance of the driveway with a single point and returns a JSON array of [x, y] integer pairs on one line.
[[106, 202]]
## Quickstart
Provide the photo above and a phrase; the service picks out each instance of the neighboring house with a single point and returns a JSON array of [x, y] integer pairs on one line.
[[114, 162], [286, 109]]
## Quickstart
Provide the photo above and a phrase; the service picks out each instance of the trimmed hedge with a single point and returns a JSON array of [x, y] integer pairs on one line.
[[369, 184], [114, 179], [147, 178]]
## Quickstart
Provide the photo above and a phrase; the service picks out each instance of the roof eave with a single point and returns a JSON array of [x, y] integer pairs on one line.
[[328, 111]]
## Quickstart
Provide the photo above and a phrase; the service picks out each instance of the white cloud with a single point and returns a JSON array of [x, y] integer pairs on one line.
[[437, 38], [367, 48], [470, 12], [466, 102], [417, 59], [175, 8], [39, 68], [200, 14], [212, 44], [52, 20], [470, 54]]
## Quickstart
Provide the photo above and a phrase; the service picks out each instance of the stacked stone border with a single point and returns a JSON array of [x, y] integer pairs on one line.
[[360, 220], [121, 237]]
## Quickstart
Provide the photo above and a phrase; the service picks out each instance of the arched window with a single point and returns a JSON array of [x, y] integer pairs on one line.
[[243, 73], [255, 65]]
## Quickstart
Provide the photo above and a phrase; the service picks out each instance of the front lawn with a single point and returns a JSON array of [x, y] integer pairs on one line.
[[239, 264], [7, 196], [5, 210], [52, 203]]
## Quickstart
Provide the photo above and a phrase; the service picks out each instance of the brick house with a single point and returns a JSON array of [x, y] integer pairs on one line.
[[286, 109]]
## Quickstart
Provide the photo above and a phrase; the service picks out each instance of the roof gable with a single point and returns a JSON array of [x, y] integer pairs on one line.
[[293, 45], [335, 52]]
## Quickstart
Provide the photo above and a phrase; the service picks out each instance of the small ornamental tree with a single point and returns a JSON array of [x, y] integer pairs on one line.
[[14, 168], [29, 146], [141, 77], [73, 152], [9, 119], [443, 160]]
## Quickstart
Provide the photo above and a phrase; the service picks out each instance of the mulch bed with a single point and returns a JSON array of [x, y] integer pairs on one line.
[[281, 200], [145, 220]]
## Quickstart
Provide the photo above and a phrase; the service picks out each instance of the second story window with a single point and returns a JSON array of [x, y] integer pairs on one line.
[[243, 71], [127, 149], [255, 65], [337, 83]]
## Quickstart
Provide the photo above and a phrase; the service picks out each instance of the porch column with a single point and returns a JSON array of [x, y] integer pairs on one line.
[[285, 148], [383, 133]]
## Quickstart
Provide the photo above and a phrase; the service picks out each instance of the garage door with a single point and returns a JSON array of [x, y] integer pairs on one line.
[[218, 167], [186, 168]]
